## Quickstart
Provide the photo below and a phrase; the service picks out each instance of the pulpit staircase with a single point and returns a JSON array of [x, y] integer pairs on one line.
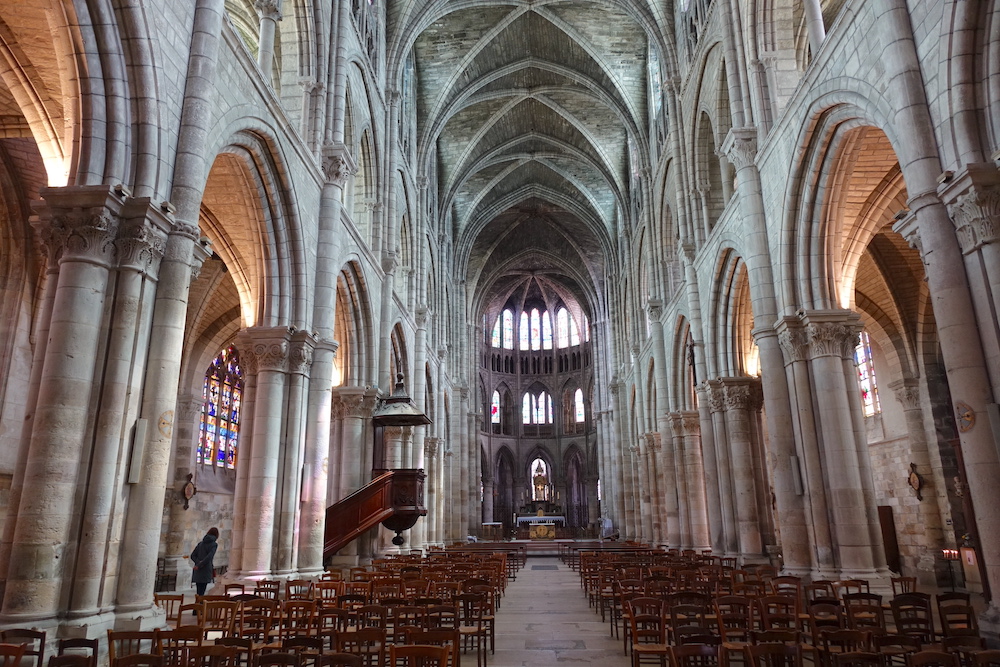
[[394, 498]]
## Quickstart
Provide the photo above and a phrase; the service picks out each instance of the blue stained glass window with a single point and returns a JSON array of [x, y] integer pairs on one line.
[[524, 333], [495, 340], [546, 331], [508, 329], [526, 409], [218, 438], [866, 376], [562, 328], [536, 330]]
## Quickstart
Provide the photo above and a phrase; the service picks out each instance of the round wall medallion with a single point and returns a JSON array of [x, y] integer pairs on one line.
[[965, 416]]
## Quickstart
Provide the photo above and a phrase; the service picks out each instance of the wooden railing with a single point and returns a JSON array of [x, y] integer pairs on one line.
[[393, 497]]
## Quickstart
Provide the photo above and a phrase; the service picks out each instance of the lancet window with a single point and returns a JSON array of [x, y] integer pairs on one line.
[[222, 394], [866, 376]]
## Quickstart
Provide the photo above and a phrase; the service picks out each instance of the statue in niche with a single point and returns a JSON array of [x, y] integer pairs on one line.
[[541, 482]]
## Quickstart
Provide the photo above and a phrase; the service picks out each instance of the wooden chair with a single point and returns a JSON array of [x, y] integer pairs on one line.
[[932, 659], [299, 589], [369, 643], [858, 659], [864, 611], [473, 610], [772, 655], [902, 585], [277, 659], [418, 655], [988, 658], [307, 648], [11, 654], [70, 660], [694, 655], [788, 636], [442, 637], [170, 603], [216, 655], [139, 660], [964, 646], [847, 586], [123, 643], [173, 645], [912, 615], [89, 648], [34, 641], [298, 617], [340, 660], [235, 589], [834, 642], [895, 648], [219, 618], [243, 650], [267, 589], [778, 611], [647, 631]]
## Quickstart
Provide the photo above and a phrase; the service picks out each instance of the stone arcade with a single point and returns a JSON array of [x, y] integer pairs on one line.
[[725, 272]]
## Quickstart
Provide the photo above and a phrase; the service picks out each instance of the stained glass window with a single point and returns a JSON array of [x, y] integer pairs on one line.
[[220, 414], [526, 409], [578, 401], [495, 342], [523, 334], [586, 328], [536, 330], [574, 333], [508, 330], [495, 408], [546, 331], [866, 376], [562, 328]]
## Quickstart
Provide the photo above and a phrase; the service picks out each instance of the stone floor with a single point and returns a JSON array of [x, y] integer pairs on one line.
[[544, 620]]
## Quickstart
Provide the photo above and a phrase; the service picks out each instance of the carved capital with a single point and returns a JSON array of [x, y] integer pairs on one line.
[[977, 217], [907, 392], [420, 316], [742, 394], [430, 448], [653, 442], [691, 421], [142, 237], [300, 356], [269, 346], [390, 260], [793, 340], [716, 397], [423, 182], [740, 147], [268, 9], [80, 224], [338, 165], [655, 309]]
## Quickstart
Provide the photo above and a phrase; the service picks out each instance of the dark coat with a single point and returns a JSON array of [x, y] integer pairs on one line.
[[202, 560]]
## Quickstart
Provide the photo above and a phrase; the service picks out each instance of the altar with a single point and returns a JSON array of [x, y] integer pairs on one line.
[[542, 531], [534, 518]]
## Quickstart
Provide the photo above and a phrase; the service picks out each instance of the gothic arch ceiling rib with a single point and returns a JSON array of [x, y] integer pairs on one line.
[[492, 80]]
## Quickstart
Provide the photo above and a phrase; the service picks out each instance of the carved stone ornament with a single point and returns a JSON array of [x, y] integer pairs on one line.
[[739, 397], [338, 165], [189, 490], [740, 147], [828, 339], [301, 353], [907, 393], [794, 342], [915, 480], [716, 398], [965, 416], [430, 448], [977, 217], [268, 9], [140, 246], [692, 423]]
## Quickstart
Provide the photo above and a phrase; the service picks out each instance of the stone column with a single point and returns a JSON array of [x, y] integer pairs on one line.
[[694, 489], [294, 471], [185, 450], [713, 497], [270, 347], [742, 397], [447, 500], [717, 404], [181, 262], [78, 227], [680, 482], [833, 336], [667, 456], [270, 14], [741, 146], [248, 363], [140, 245], [933, 509], [433, 518], [814, 24], [644, 483], [654, 452], [818, 533]]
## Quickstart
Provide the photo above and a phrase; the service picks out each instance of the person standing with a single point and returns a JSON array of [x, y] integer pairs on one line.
[[202, 560]]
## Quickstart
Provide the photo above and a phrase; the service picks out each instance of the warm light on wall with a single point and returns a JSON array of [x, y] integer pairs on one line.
[[57, 171], [752, 361], [338, 377]]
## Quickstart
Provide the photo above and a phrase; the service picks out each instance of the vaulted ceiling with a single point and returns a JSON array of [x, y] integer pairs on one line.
[[525, 110]]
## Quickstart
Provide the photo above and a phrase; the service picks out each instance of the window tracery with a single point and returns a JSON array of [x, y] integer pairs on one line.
[[222, 394]]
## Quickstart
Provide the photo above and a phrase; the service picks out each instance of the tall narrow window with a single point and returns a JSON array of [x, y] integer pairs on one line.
[[495, 408], [578, 402], [536, 330], [508, 329], [524, 333], [495, 342], [866, 376], [562, 328], [586, 328], [574, 333], [526, 411], [220, 413], [546, 331]]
